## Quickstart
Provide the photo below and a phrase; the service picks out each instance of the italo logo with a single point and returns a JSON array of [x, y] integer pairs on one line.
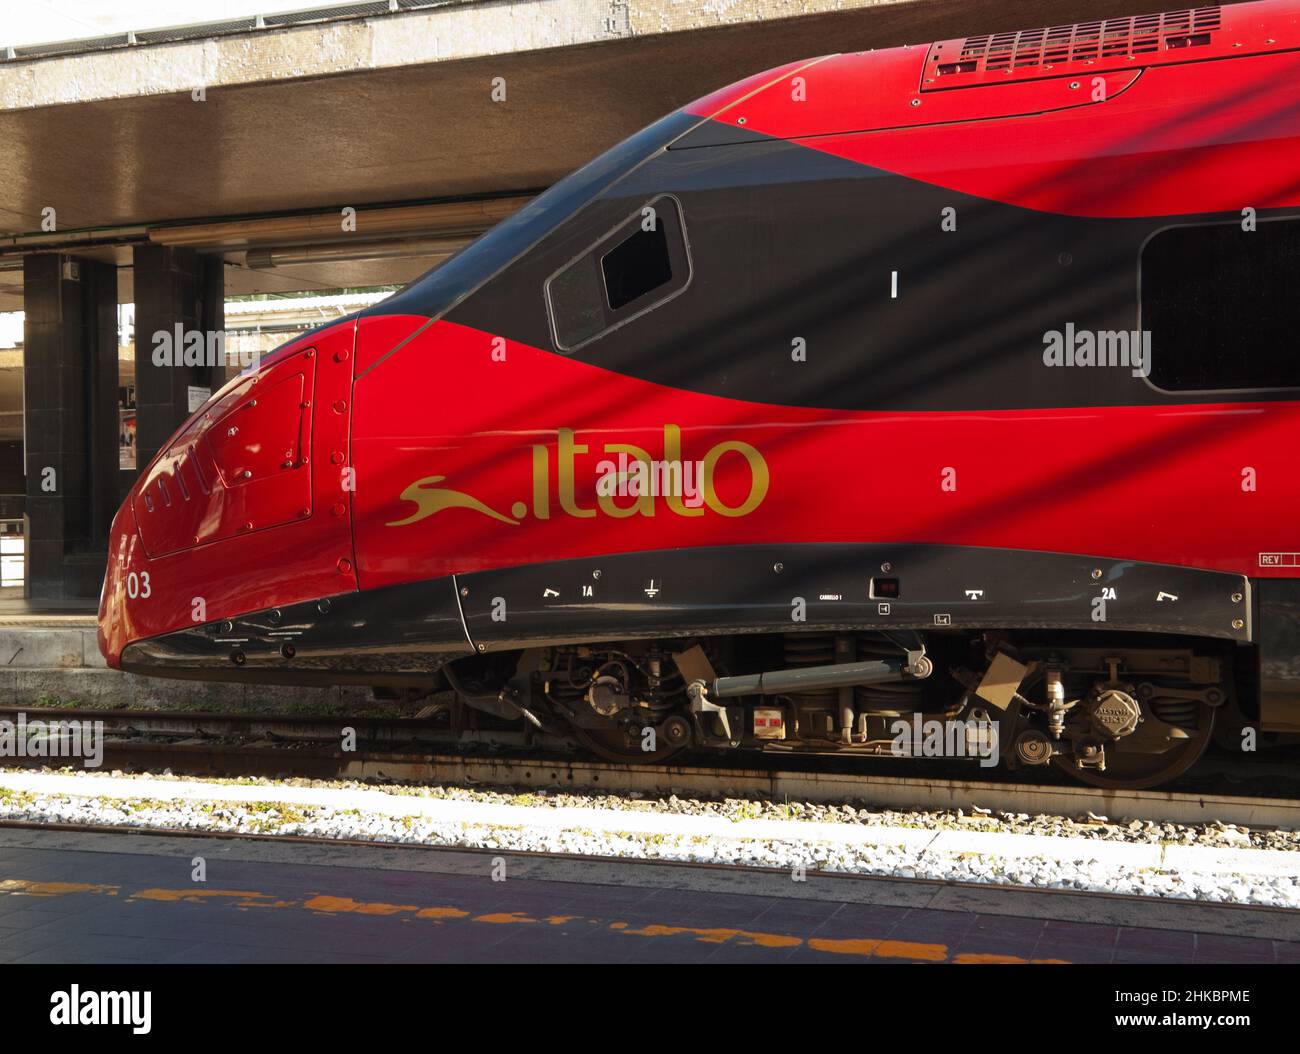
[[627, 471]]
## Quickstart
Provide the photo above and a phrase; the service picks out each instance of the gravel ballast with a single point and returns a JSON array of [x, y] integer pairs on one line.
[[1205, 862]]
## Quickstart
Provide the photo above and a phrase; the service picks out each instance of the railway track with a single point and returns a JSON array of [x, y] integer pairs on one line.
[[407, 750]]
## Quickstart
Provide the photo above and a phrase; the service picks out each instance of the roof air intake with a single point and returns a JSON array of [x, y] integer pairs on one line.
[[1085, 42]]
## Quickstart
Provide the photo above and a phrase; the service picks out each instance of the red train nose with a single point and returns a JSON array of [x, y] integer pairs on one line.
[[122, 557], [224, 520], [242, 464]]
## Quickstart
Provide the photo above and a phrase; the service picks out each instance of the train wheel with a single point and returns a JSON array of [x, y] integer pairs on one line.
[[1135, 770], [616, 745]]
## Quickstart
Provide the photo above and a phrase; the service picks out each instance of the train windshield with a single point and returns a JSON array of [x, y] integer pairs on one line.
[[438, 290]]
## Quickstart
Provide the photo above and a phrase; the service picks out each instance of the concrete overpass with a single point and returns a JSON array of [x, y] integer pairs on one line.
[[185, 166]]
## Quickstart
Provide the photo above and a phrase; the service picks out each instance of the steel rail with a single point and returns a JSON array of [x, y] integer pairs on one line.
[[303, 745]]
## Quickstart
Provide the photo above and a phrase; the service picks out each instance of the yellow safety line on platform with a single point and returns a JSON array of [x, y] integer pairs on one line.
[[326, 906], [52, 889]]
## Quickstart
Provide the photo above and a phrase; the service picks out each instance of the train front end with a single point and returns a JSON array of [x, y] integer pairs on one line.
[[247, 508]]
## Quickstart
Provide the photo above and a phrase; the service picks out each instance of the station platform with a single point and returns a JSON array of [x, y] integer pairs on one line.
[[113, 898], [17, 610], [49, 656]]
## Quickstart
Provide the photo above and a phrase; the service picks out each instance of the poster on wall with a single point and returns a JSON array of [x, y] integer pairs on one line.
[[126, 427]]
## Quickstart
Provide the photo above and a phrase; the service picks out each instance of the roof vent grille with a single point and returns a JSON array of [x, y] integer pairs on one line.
[[1113, 38]]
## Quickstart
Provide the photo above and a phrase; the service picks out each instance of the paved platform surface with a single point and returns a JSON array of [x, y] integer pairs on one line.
[[17, 610], [49, 656], [131, 898]]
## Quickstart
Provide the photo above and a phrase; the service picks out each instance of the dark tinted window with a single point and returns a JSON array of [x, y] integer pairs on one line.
[[636, 267], [1221, 306]]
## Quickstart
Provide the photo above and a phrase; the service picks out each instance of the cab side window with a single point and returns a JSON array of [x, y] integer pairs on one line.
[[643, 263]]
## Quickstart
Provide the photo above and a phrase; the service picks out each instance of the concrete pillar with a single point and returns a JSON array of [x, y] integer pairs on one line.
[[172, 286], [70, 421]]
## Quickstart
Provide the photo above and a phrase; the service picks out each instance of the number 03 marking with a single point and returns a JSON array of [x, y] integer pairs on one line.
[[138, 585]]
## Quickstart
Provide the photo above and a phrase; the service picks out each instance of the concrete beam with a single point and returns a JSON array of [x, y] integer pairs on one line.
[[398, 108], [447, 34]]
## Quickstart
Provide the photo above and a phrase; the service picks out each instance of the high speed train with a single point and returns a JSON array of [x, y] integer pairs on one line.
[[877, 396]]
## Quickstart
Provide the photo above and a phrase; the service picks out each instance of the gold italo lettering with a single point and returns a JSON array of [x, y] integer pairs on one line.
[[669, 483], [673, 452], [644, 502], [568, 449], [541, 483], [758, 478]]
